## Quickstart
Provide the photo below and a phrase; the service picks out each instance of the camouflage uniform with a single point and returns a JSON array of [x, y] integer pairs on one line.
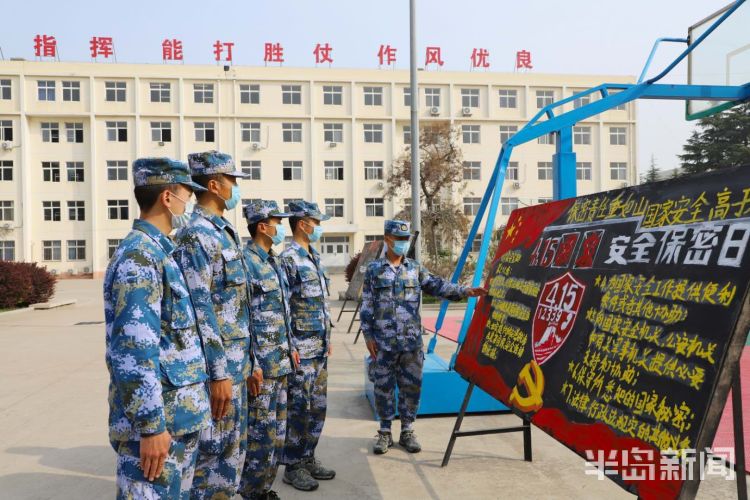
[[311, 323], [210, 255], [390, 317], [153, 351], [273, 345]]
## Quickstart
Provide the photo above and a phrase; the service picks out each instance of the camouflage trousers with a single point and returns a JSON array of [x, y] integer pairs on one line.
[[174, 481], [266, 431], [308, 401], [222, 450], [402, 370]]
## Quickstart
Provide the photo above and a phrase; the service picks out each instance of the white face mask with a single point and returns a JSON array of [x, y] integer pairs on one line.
[[182, 220]]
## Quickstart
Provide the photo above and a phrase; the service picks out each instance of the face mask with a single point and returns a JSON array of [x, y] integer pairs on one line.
[[182, 220], [400, 247], [233, 200], [316, 234], [280, 234]]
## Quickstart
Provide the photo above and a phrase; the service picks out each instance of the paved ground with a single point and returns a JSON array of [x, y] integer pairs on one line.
[[53, 416]]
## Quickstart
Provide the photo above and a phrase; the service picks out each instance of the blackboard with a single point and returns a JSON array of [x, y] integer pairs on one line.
[[615, 323], [370, 252]]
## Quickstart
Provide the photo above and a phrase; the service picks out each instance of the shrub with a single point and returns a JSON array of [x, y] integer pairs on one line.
[[23, 283], [351, 267], [43, 283]]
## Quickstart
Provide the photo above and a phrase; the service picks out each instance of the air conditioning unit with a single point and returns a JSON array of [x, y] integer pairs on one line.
[[6, 146], [86, 270], [332, 144], [380, 185], [161, 143], [255, 145], [624, 184], [516, 185], [466, 111], [434, 111]]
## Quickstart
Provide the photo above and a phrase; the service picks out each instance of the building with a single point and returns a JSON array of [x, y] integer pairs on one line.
[[69, 132]]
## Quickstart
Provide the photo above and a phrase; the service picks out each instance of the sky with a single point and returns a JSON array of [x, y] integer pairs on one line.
[[573, 36]]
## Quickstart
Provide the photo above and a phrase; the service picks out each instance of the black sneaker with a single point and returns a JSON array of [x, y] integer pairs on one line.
[[409, 441], [298, 476], [272, 495], [318, 470], [383, 441]]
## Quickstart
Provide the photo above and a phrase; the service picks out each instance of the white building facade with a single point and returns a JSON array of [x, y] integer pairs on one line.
[[70, 131]]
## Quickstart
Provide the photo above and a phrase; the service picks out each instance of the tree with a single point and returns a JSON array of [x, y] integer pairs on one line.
[[440, 172], [722, 142], [652, 175]]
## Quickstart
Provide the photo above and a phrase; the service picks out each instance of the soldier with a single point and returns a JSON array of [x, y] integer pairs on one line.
[[311, 324], [274, 349], [210, 255], [158, 402], [392, 328]]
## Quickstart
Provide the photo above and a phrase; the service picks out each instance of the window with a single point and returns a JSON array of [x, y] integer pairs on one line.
[[74, 170], [287, 201], [51, 211], [204, 131], [581, 101], [160, 91], [546, 139], [51, 250], [249, 94], [71, 91], [76, 249], [374, 207], [506, 132], [251, 168], [6, 130], [620, 107], [407, 134], [471, 205], [332, 95], [470, 98], [334, 245], [407, 96], [6, 170], [114, 91], [250, 132], [291, 94], [51, 171], [50, 132], [112, 247], [6, 211], [373, 170], [511, 173], [333, 132], [581, 135], [291, 132], [373, 237], [618, 171], [76, 211], [8, 250], [507, 205], [5, 91], [544, 98], [373, 132], [45, 90], [292, 170], [432, 97], [74, 132], [117, 210], [117, 131], [203, 93], [161, 131], [470, 134], [117, 170], [373, 96], [583, 171], [544, 170], [334, 170], [472, 170], [618, 136], [508, 98], [334, 207], [476, 245]]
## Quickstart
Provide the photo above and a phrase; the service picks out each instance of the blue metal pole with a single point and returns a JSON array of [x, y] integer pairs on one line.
[[564, 166]]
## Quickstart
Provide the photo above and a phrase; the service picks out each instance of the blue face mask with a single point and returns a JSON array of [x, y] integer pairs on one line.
[[280, 234], [316, 234], [233, 200], [400, 247], [182, 220]]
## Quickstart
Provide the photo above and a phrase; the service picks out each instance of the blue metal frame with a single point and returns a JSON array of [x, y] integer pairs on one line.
[[564, 173]]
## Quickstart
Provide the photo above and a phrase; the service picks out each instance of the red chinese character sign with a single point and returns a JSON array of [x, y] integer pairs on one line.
[[171, 50], [322, 53], [45, 46], [223, 50], [101, 46], [386, 55], [433, 56], [480, 58], [523, 60], [615, 321], [273, 52]]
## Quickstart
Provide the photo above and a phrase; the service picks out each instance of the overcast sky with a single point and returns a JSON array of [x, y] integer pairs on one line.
[[573, 36]]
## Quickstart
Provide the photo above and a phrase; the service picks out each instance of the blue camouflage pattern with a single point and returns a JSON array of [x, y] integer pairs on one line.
[[396, 227], [390, 302], [213, 162], [257, 210], [162, 171], [210, 255], [302, 208], [310, 310], [402, 369], [308, 403]]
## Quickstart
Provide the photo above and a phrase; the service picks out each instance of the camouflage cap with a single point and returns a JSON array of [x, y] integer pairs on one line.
[[258, 210], [301, 208], [213, 162], [161, 171], [397, 227]]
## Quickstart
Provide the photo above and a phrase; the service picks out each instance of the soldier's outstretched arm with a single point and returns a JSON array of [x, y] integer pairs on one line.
[[439, 287], [134, 344]]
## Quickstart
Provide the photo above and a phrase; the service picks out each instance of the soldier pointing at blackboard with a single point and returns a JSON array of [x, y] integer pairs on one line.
[[392, 328]]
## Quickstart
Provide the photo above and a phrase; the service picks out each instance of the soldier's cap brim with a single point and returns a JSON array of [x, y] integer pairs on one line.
[[319, 216], [281, 215], [197, 188], [237, 173]]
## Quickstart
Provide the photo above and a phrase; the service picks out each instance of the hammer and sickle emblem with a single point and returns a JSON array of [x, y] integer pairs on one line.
[[532, 379]]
